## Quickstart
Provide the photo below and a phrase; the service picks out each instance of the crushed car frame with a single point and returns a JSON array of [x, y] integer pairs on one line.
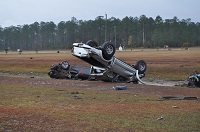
[[104, 65]]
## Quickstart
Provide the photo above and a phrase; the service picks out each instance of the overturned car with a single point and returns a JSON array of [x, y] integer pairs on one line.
[[104, 65]]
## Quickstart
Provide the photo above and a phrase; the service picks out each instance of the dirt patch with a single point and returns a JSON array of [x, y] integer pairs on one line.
[[151, 87], [147, 81]]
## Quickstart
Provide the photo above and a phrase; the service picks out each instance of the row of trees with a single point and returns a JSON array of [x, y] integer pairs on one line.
[[130, 32]]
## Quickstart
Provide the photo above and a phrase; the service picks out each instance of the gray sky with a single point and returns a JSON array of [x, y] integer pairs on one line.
[[20, 12]]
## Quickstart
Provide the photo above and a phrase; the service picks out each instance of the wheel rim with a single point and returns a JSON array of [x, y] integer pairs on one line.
[[142, 67], [109, 49], [65, 65]]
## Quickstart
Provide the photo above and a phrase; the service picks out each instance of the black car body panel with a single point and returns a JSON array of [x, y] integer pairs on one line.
[[73, 72]]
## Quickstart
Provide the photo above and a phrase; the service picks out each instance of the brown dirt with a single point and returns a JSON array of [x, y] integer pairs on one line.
[[34, 119]]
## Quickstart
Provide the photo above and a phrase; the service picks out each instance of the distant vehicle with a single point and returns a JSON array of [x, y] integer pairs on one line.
[[104, 65], [194, 80]]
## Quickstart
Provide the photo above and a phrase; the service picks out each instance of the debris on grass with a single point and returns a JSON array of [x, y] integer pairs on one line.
[[74, 92], [160, 118], [120, 87], [178, 98], [77, 97], [174, 106]]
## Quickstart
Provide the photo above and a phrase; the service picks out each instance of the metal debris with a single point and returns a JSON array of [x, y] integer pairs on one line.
[[120, 87], [160, 118]]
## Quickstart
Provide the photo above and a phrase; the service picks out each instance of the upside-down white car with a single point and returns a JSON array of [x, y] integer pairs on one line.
[[104, 65]]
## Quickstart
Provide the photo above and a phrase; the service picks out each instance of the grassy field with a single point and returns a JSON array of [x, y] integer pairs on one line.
[[174, 64], [44, 104]]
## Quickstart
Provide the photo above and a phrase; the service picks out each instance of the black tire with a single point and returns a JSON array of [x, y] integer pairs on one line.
[[108, 50], [92, 43], [191, 83], [53, 74], [65, 65], [141, 66]]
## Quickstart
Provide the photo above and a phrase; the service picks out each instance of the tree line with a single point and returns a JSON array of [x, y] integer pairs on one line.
[[130, 32]]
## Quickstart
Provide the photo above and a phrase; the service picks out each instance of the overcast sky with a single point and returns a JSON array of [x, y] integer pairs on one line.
[[20, 12]]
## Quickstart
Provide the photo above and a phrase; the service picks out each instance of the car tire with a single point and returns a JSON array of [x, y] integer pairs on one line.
[[53, 74], [192, 83], [65, 65], [108, 50], [92, 43], [141, 66]]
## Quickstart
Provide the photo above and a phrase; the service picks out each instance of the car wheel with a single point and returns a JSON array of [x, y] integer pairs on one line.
[[108, 50], [141, 66], [92, 43], [65, 65], [53, 74], [192, 83]]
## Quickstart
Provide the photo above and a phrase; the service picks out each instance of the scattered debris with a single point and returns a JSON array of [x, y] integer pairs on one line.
[[190, 98], [174, 106], [120, 87], [31, 75], [60, 90], [76, 97], [172, 98], [178, 98], [160, 118], [74, 92]]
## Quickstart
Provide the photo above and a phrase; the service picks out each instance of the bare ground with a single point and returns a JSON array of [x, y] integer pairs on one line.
[[161, 87]]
